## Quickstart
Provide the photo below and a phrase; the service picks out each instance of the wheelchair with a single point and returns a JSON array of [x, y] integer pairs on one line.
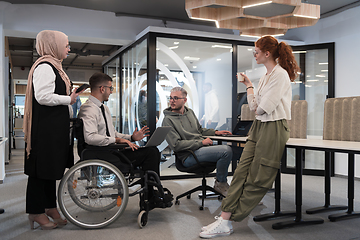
[[94, 193]]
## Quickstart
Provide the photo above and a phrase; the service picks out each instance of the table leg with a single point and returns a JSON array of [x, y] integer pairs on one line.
[[327, 206], [298, 197], [277, 213], [350, 212]]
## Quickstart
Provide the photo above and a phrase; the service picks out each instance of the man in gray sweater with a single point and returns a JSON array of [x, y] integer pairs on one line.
[[187, 134]]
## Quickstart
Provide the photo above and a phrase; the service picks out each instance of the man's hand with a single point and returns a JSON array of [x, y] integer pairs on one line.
[[207, 142], [138, 135], [132, 145], [223, 132]]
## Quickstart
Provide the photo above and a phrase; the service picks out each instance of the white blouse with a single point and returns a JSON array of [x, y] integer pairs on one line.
[[44, 87], [273, 96]]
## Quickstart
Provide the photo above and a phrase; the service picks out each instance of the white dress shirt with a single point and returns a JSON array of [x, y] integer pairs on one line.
[[94, 124]]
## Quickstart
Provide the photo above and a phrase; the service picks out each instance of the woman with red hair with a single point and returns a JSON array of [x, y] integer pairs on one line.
[[268, 135]]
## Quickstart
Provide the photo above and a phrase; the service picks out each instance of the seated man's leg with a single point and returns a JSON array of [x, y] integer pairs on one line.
[[222, 155], [109, 157], [148, 158]]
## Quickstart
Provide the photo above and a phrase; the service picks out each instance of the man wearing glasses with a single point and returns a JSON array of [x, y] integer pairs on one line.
[[99, 131], [187, 134]]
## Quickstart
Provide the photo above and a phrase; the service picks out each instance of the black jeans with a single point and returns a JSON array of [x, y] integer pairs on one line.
[[40, 194]]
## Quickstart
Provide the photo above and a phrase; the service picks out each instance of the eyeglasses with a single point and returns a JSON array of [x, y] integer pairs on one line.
[[255, 53], [175, 98], [68, 46], [111, 87]]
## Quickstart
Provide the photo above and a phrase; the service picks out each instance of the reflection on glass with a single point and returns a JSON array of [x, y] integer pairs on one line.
[[246, 64], [112, 69], [314, 90], [134, 87], [203, 69]]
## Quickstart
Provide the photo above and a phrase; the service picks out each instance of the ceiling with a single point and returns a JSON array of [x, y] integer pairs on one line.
[[85, 55], [81, 55]]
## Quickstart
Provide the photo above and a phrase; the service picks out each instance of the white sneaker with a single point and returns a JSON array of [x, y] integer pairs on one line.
[[219, 228], [204, 228]]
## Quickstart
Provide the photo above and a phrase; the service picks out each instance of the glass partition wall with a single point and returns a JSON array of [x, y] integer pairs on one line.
[[148, 69], [134, 88], [112, 69], [315, 84]]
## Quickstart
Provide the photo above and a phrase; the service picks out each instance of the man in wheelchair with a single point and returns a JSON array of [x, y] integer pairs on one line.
[[99, 132]]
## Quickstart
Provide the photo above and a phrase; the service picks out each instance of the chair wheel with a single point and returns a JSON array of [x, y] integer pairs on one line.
[[177, 202], [201, 208], [188, 196], [142, 218], [220, 197]]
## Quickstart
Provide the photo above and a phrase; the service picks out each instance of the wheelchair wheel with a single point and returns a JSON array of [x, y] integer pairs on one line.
[[142, 218], [93, 194]]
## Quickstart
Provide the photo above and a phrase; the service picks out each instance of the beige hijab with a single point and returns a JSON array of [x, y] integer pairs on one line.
[[50, 46]]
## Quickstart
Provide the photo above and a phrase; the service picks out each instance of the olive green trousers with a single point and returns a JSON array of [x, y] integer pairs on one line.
[[257, 168]]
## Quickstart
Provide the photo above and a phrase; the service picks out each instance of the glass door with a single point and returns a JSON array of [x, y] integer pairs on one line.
[[315, 84]]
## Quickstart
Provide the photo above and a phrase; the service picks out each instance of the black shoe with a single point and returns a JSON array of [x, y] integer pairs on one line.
[[156, 201], [168, 197]]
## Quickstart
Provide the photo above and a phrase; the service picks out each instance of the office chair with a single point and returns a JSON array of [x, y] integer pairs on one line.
[[202, 169]]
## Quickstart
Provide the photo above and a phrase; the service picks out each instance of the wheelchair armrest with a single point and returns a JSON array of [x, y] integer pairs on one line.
[[73, 120], [106, 148]]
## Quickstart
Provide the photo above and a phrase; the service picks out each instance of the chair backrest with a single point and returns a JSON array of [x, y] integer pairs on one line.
[[79, 135], [298, 122], [341, 119], [246, 113]]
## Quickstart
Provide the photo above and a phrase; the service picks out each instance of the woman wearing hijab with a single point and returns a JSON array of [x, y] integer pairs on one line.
[[47, 128]]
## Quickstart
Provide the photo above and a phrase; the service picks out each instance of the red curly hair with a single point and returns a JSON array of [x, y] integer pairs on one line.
[[281, 52]]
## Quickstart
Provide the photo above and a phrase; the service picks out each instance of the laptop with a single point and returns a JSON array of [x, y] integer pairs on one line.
[[158, 136], [241, 129]]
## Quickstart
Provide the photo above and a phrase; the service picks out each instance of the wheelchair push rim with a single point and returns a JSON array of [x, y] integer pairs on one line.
[[93, 194]]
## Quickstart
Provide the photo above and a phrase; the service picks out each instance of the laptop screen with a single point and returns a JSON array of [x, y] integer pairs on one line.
[[242, 128]]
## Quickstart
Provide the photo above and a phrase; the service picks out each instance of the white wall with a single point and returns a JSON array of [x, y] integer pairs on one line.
[[344, 30]]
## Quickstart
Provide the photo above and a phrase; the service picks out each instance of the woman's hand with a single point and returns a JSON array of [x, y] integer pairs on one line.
[[248, 84], [74, 95], [246, 81]]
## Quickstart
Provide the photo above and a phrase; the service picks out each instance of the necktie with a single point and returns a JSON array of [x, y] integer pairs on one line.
[[103, 113]]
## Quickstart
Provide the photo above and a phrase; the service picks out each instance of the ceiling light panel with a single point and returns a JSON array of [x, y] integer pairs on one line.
[[269, 10], [252, 17]]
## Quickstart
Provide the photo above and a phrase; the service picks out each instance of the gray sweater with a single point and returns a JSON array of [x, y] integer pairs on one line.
[[186, 132]]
